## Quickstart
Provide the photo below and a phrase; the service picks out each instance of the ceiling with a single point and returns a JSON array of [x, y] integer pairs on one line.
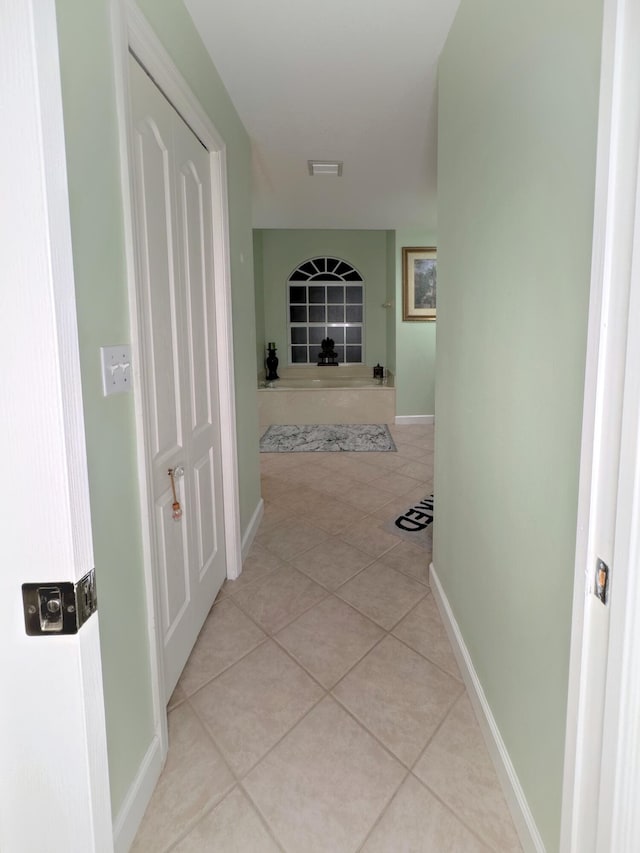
[[348, 80]]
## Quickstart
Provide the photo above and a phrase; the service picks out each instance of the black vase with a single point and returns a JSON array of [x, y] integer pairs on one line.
[[272, 366]]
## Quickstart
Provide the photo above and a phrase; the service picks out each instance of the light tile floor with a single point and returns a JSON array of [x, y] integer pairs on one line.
[[322, 708]]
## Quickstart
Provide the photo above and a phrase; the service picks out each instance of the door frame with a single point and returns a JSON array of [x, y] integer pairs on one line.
[[602, 766], [55, 774], [132, 32]]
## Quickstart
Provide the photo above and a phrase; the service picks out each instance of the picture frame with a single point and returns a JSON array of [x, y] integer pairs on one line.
[[419, 268]]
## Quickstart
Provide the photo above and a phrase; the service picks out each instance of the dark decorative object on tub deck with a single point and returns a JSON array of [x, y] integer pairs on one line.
[[328, 356], [272, 363], [378, 372], [287, 438]]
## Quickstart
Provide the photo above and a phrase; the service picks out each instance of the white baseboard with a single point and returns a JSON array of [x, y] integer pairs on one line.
[[402, 420], [138, 796], [252, 529], [512, 789]]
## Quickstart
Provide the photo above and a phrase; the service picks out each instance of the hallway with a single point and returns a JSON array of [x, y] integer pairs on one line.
[[322, 708]]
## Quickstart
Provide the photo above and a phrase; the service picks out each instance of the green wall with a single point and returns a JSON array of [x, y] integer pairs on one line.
[[391, 297], [518, 98], [407, 349], [415, 342], [284, 249], [103, 318], [258, 277]]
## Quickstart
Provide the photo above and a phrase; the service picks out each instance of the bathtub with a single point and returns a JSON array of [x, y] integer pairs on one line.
[[326, 395], [311, 383]]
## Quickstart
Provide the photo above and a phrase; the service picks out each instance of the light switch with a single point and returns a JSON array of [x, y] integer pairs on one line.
[[116, 369]]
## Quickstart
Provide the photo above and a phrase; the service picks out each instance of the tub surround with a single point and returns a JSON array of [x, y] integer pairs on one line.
[[310, 371], [314, 395]]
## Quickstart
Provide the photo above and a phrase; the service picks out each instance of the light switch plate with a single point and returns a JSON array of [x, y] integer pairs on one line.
[[116, 369]]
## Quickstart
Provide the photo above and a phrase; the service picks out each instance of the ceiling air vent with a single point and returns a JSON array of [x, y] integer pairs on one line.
[[325, 167]]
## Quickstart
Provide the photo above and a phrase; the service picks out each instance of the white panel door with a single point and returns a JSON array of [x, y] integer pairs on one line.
[[54, 776], [176, 293]]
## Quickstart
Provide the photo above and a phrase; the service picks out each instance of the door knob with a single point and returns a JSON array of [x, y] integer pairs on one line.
[[176, 509]]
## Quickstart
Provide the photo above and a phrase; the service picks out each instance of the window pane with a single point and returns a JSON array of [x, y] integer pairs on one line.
[[320, 308], [299, 355], [297, 314], [298, 294]]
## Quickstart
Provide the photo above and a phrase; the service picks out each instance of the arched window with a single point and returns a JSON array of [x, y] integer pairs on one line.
[[326, 299]]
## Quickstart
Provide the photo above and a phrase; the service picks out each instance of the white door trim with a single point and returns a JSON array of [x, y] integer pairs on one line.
[[131, 30], [602, 769], [619, 794], [149, 50], [54, 780], [618, 818]]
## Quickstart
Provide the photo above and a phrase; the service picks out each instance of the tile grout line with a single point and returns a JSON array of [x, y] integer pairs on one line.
[[438, 796], [262, 817], [362, 725], [383, 812], [273, 636], [240, 777], [371, 515], [213, 740], [360, 722], [214, 806], [453, 812], [351, 577], [417, 651], [286, 624], [229, 595], [438, 727], [192, 825], [350, 670], [213, 678], [396, 623], [328, 692]]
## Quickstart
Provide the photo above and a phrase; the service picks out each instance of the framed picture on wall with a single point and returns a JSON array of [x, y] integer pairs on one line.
[[418, 283]]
